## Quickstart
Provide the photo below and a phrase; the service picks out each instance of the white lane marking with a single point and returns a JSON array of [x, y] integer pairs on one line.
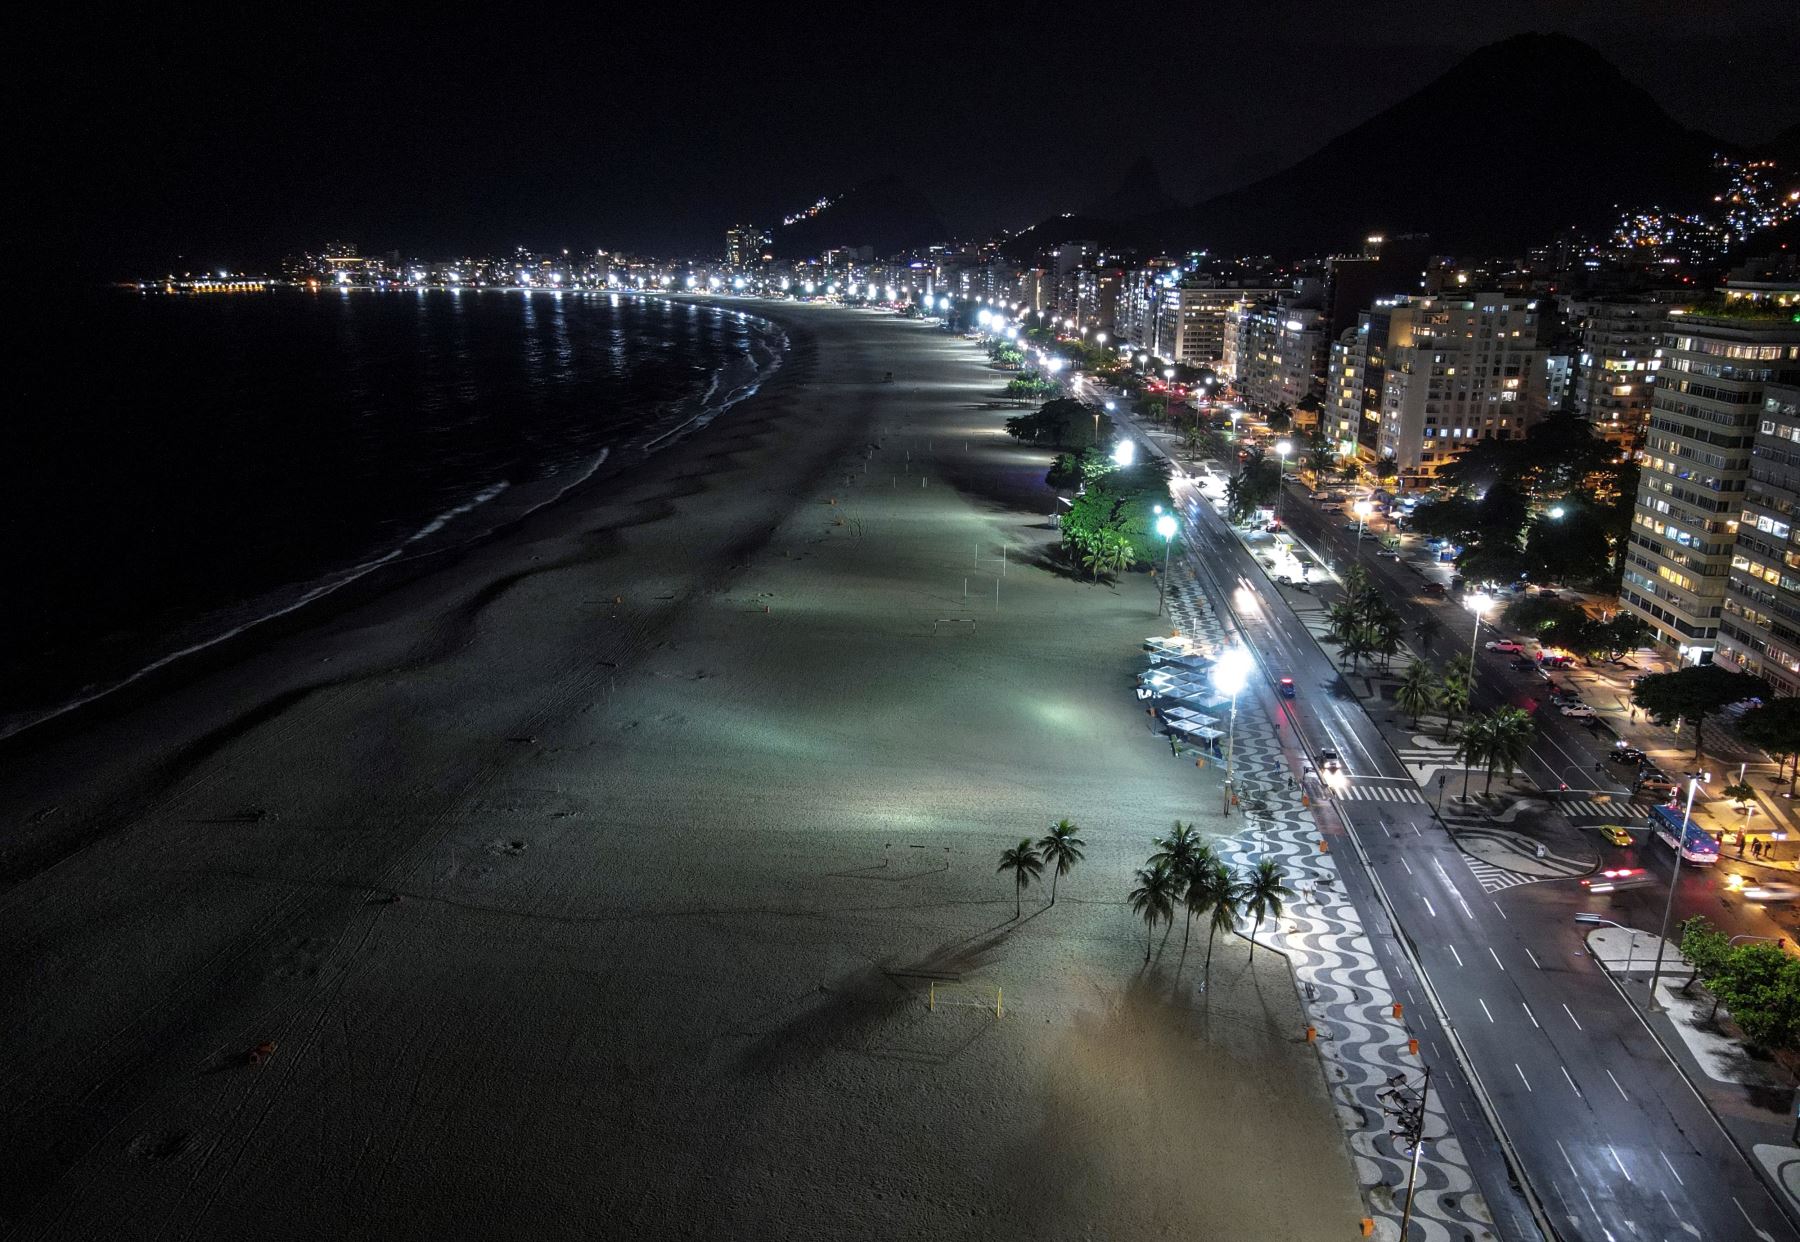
[[1753, 1229], [1496, 957], [1532, 1016], [1456, 955], [1619, 1162], [1672, 1168], [1385, 829], [1522, 1077], [1503, 915], [1467, 913], [1484, 1008], [1407, 865], [1567, 1161], [1622, 1094], [1534, 961], [1429, 906], [1572, 1017], [1570, 1081]]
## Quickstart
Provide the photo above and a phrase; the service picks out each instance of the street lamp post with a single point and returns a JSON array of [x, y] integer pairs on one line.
[[1282, 450], [1362, 508], [1407, 1108], [1165, 526], [1662, 937], [1229, 676]]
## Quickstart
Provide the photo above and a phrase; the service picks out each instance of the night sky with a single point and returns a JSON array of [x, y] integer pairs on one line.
[[172, 137]]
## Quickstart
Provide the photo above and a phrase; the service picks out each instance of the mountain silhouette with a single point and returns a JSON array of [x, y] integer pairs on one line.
[[1139, 193], [1520, 138], [886, 213]]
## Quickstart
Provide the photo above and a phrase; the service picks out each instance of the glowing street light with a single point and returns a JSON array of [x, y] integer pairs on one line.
[[1556, 512], [1282, 450], [1165, 526], [1362, 509], [1229, 675], [1124, 452]]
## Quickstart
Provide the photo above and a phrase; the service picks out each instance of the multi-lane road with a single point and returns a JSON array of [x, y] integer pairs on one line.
[[1613, 1141]]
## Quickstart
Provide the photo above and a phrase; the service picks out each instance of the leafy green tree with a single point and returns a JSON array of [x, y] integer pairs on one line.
[[1739, 792], [1706, 949], [1154, 898], [1509, 734], [1195, 898], [1177, 849], [1418, 691], [1263, 893], [1760, 984], [1694, 694], [1061, 849], [1775, 726], [1474, 746], [1023, 861]]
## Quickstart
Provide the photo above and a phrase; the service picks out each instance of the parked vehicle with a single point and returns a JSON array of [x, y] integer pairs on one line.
[[1653, 781], [1626, 754], [1388, 554], [1579, 710], [1511, 646], [1435, 590]]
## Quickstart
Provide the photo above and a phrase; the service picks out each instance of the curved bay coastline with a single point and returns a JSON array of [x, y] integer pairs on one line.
[[50, 742]]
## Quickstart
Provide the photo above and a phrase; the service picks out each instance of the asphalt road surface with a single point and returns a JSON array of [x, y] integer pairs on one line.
[[1614, 1142]]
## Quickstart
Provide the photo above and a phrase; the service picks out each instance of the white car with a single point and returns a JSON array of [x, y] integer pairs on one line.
[[1578, 710], [1771, 892]]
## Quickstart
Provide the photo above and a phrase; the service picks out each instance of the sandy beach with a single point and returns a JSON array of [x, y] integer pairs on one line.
[[598, 883]]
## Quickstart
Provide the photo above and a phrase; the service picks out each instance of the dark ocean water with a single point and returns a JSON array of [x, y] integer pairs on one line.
[[175, 468]]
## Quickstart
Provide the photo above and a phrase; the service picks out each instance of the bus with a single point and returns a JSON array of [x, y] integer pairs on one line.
[[1697, 844]]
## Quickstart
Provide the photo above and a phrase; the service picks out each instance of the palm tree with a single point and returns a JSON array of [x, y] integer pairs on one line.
[[1452, 695], [1262, 893], [1154, 898], [1223, 895], [1023, 861], [1418, 690], [1177, 849], [1475, 746], [1509, 743], [1061, 847], [1199, 898]]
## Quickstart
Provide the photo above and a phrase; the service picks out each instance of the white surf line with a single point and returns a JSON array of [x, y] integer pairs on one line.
[[1665, 1160], [1615, 1083], [1570, 1081], [1532, 1016], [1484, 1008], [1522, 1077], [1572, 1017]]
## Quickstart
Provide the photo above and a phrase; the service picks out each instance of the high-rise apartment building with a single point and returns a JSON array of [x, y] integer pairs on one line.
[[1458, 370], [1759, 631], [744, 245], [1615, 369], [1190, 320], [1273, 349], [1704, 418]]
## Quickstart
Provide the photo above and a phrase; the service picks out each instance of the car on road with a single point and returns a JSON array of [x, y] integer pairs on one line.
[[1771, 892], [1322, 496], [1616, 833], [1388, 554], [1617, 879], [1520, 664], [1626, 754], [1511, 646], [1578, 710], [1554, 661], [1287, 687], [1653, 781], [1328, 759], [1436, 590]]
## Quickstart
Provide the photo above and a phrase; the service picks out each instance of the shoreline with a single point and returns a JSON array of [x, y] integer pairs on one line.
[[610, 861], [316, 603]]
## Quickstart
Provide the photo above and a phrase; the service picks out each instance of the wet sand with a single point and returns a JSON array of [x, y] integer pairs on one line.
[[598, 883]]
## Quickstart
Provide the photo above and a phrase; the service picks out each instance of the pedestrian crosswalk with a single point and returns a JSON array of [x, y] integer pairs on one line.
[[1381, 793], [1496, 879], [1602, 808]]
